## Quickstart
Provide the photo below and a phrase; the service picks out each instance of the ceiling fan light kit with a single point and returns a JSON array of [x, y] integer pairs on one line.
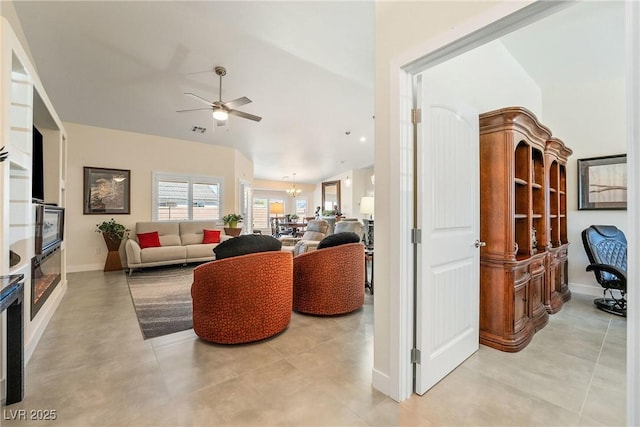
[[221, 110], [220, 114]]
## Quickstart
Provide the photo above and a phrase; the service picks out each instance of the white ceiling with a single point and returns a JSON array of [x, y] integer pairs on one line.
[[307, 66], [584, 42]]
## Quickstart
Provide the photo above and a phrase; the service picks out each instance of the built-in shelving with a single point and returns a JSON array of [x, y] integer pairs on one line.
[[24, 104]]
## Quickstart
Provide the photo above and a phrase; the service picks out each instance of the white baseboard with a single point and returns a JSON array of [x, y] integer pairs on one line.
[[381, 382], [84, 267], [579, 288]]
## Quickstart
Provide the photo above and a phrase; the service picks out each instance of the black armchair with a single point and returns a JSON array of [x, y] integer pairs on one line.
[[606, 248]]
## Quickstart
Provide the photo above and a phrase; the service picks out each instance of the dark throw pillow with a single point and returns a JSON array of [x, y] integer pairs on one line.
[[246, 244], [339, 239]]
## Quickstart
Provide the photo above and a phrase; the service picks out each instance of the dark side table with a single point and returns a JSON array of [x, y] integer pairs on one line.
[[11, 296], [368, 257]]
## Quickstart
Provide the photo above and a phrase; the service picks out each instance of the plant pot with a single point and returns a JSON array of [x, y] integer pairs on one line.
[[232, 231], [112, 241], [113, 262]]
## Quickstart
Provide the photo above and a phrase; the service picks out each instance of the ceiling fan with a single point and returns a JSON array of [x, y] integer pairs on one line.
[[220, 109]]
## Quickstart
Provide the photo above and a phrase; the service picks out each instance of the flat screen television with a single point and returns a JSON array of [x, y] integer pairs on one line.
[[49, 228], [37, 168]]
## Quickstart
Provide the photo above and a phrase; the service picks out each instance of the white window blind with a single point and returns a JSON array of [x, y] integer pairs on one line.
[[185, 197]]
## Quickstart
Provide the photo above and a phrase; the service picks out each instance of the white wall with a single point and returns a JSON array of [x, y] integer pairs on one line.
[[142, 154], [497, 80], [589, 116], [354, 184]]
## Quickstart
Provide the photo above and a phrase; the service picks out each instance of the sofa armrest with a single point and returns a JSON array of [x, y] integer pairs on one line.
[[132, 249], [289, 241], [225, 237], [304, 246]]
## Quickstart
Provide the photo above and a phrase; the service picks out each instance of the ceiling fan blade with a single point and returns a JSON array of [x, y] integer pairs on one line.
[[199, 97], [245, 115], [194, 109], [236, 102]]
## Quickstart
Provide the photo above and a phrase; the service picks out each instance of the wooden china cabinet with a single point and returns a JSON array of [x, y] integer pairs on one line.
[[557, 292], [518, 162]]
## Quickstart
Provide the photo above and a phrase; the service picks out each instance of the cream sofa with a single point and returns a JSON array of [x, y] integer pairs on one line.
[[181, 243]]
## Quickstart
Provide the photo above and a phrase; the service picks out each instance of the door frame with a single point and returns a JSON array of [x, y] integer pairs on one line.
[[497, 22]]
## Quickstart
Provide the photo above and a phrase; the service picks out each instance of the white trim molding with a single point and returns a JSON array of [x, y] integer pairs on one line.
[[632, 40]]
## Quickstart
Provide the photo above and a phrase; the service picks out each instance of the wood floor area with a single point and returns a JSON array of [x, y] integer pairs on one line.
[[94, 369]]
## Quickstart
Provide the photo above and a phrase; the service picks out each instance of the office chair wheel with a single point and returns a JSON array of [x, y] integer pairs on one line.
[[612, 305]]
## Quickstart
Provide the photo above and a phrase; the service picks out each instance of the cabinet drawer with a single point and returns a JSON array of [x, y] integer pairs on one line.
[[562, 253], [537, 266], [521, 274]]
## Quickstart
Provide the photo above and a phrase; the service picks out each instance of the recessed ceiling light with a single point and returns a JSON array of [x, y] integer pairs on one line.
[[363, 139]]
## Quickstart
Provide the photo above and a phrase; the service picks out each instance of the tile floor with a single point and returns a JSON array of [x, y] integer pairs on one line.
[[93, 367]]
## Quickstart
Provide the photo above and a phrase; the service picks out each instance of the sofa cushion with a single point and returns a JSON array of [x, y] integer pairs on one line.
[[169, 231], [165, 253], [211, 236], [149, 240], [170, 240], [199, 252], [247, 244], [191, 232], [339, 239]]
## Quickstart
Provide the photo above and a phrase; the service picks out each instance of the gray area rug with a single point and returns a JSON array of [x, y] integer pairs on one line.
[[162, 299]]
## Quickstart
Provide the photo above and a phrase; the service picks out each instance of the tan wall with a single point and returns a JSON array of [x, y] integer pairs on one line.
[[142, 154]]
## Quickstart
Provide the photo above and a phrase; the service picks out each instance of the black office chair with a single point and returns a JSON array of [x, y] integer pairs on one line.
[[606, 247]]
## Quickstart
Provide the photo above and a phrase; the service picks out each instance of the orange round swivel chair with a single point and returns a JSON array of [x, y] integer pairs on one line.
[[329, 281], [244, 298]]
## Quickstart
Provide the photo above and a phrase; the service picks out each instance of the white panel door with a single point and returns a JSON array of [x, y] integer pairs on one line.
[[448, 283]]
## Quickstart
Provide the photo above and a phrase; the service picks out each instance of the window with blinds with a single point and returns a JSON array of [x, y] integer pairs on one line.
[[184, 197]]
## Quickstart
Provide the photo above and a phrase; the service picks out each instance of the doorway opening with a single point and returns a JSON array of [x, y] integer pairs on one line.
[[493, 31]]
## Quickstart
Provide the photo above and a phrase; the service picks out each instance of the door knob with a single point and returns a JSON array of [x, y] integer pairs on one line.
[[479, 244]]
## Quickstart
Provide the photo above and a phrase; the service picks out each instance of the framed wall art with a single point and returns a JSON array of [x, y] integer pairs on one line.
[[107, 191], [602, 182]]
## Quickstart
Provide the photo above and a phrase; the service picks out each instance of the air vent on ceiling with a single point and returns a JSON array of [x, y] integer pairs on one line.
[[198, 129]]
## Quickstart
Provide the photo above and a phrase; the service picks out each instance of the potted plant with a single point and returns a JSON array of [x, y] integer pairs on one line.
[[113, 234], [294, 217], [231, 221]]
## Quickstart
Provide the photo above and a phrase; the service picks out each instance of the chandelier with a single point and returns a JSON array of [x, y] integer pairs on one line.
[[293, 191]]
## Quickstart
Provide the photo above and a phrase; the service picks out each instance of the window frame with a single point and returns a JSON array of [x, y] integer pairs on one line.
[[190, 179]]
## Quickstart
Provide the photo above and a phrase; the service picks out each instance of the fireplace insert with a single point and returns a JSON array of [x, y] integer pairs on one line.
[[45, 275]]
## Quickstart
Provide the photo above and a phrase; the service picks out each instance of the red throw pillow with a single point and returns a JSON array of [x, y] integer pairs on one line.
[[149, 240], [211, 236]]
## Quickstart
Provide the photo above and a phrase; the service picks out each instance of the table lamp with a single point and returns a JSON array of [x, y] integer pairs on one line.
[[367, 206], [276, 208]]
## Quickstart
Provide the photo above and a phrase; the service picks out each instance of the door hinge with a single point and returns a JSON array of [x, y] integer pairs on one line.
[[416, 236], [416, 116], [415, 356]]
